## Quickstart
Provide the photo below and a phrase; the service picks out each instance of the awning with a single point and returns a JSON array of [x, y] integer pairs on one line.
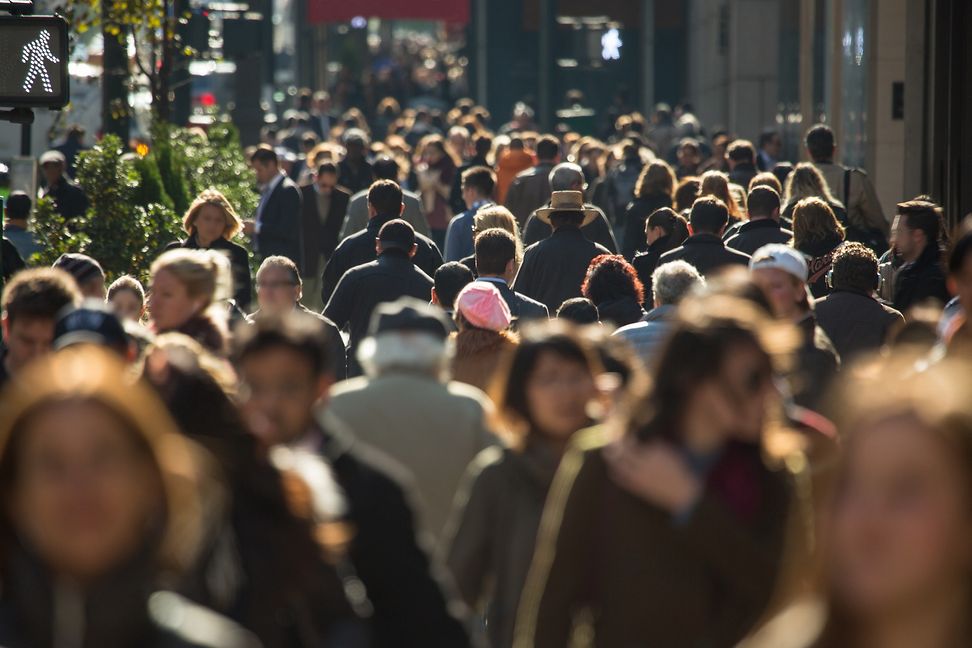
[[452, 11]]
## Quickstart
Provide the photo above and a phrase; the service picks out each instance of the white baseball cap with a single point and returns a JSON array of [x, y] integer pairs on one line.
[[777, 256]]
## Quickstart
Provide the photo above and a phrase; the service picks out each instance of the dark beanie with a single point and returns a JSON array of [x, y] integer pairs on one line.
[[80, 266]]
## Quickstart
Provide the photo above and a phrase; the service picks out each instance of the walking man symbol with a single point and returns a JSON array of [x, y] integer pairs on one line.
[[36, 54]]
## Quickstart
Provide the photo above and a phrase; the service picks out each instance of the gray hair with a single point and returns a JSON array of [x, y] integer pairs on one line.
[[406, 352], [674, 280], [566, 176]]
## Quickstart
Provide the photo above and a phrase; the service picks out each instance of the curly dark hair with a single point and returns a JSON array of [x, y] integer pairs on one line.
[[855, 267], [611, 277]]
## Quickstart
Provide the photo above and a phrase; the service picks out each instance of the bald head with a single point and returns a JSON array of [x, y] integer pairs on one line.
[[566, 176]]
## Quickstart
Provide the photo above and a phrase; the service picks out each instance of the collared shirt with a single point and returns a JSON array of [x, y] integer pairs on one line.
[[265, 192]]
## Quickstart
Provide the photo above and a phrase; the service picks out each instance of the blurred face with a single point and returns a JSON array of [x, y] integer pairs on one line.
[[52, 172], [276, 290], [901, 529], [279, 395], [210, 224], [737, 400], [774, 147], [558, 393], [170, 304], [85, 492], [688, 156], [326, 182], [93, 289], [264, 171], [127, 305], [783, 291], [26, 339], [909, 243]]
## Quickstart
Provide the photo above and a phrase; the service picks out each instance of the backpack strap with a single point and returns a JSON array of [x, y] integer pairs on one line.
[[847, 177]]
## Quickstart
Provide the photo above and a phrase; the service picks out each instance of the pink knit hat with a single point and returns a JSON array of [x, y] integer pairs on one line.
[[484, 307]]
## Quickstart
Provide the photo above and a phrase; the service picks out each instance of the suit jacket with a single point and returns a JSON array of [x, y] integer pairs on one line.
[[707, 253], [321, 238], [529, 190], [360, 248], [280, 220], [554, 269], [521, 306]]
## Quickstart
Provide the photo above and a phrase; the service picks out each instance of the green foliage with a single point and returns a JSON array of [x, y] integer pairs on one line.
[[52, 234], [137, 203], [123, 235], [150, 188]]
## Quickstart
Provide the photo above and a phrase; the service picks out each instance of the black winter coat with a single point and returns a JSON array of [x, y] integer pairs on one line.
[[921, 280], [639, 210], [280, 231], [856, 323], [359, 248], [321, 238], [386, 279], [707, 253], [554, 269], [645, 263], [754, 234], [411, 607]]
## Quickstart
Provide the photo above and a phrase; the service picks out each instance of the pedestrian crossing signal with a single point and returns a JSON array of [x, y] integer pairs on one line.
[[33, 62]]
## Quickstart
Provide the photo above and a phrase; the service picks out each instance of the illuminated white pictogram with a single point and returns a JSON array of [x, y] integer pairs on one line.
[[36, 54]]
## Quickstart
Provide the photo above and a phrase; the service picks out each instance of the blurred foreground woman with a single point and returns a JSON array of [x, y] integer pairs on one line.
[[898, 543], [668, 531], [100, 505], [547, 387]]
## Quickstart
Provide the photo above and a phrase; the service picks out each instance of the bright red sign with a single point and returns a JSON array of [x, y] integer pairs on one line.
[[452, 11]]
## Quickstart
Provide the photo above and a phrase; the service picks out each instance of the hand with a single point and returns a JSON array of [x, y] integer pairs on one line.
[[653, 472], [249, 227]]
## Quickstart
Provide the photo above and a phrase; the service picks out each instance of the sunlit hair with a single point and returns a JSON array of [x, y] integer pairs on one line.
[[509, 391], [204, 273], [807, 182], [501, 217], [215, 198], [90, 374], [814, 220], [686, 192], [716, 183], [766, 179], [656, 178], [610, 277], [126, 283]]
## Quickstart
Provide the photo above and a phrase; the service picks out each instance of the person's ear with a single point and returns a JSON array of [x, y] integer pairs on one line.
[[5, 325], [435, 297], [377, 246], [401, 209], [411, 253], [508, 270]]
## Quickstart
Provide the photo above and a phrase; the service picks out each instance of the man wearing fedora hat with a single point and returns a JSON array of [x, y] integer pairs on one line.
[[554, 268]]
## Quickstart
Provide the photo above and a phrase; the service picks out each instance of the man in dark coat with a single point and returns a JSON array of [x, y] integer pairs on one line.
[[531, 188], [570, 177], [763, 226], [69, 199], [851, 317], [496, 262], [355, 169], [325, 205], [917, 231], [741, 156], [554, 269], [705, 249], [284, 364], [392, 275], [275, 229], [384, 204]]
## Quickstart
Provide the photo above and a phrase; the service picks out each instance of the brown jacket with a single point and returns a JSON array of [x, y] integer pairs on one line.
[[645, 578], [478, 355]]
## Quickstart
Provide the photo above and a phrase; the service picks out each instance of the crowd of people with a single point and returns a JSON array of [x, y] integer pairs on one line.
[[495, 387]]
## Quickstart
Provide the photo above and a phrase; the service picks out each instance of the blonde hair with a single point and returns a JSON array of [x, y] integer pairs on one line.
[[814, 220], [204, 273], [501, 217], [806, 181], [716, 183], [215, 198], [656, 178]]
